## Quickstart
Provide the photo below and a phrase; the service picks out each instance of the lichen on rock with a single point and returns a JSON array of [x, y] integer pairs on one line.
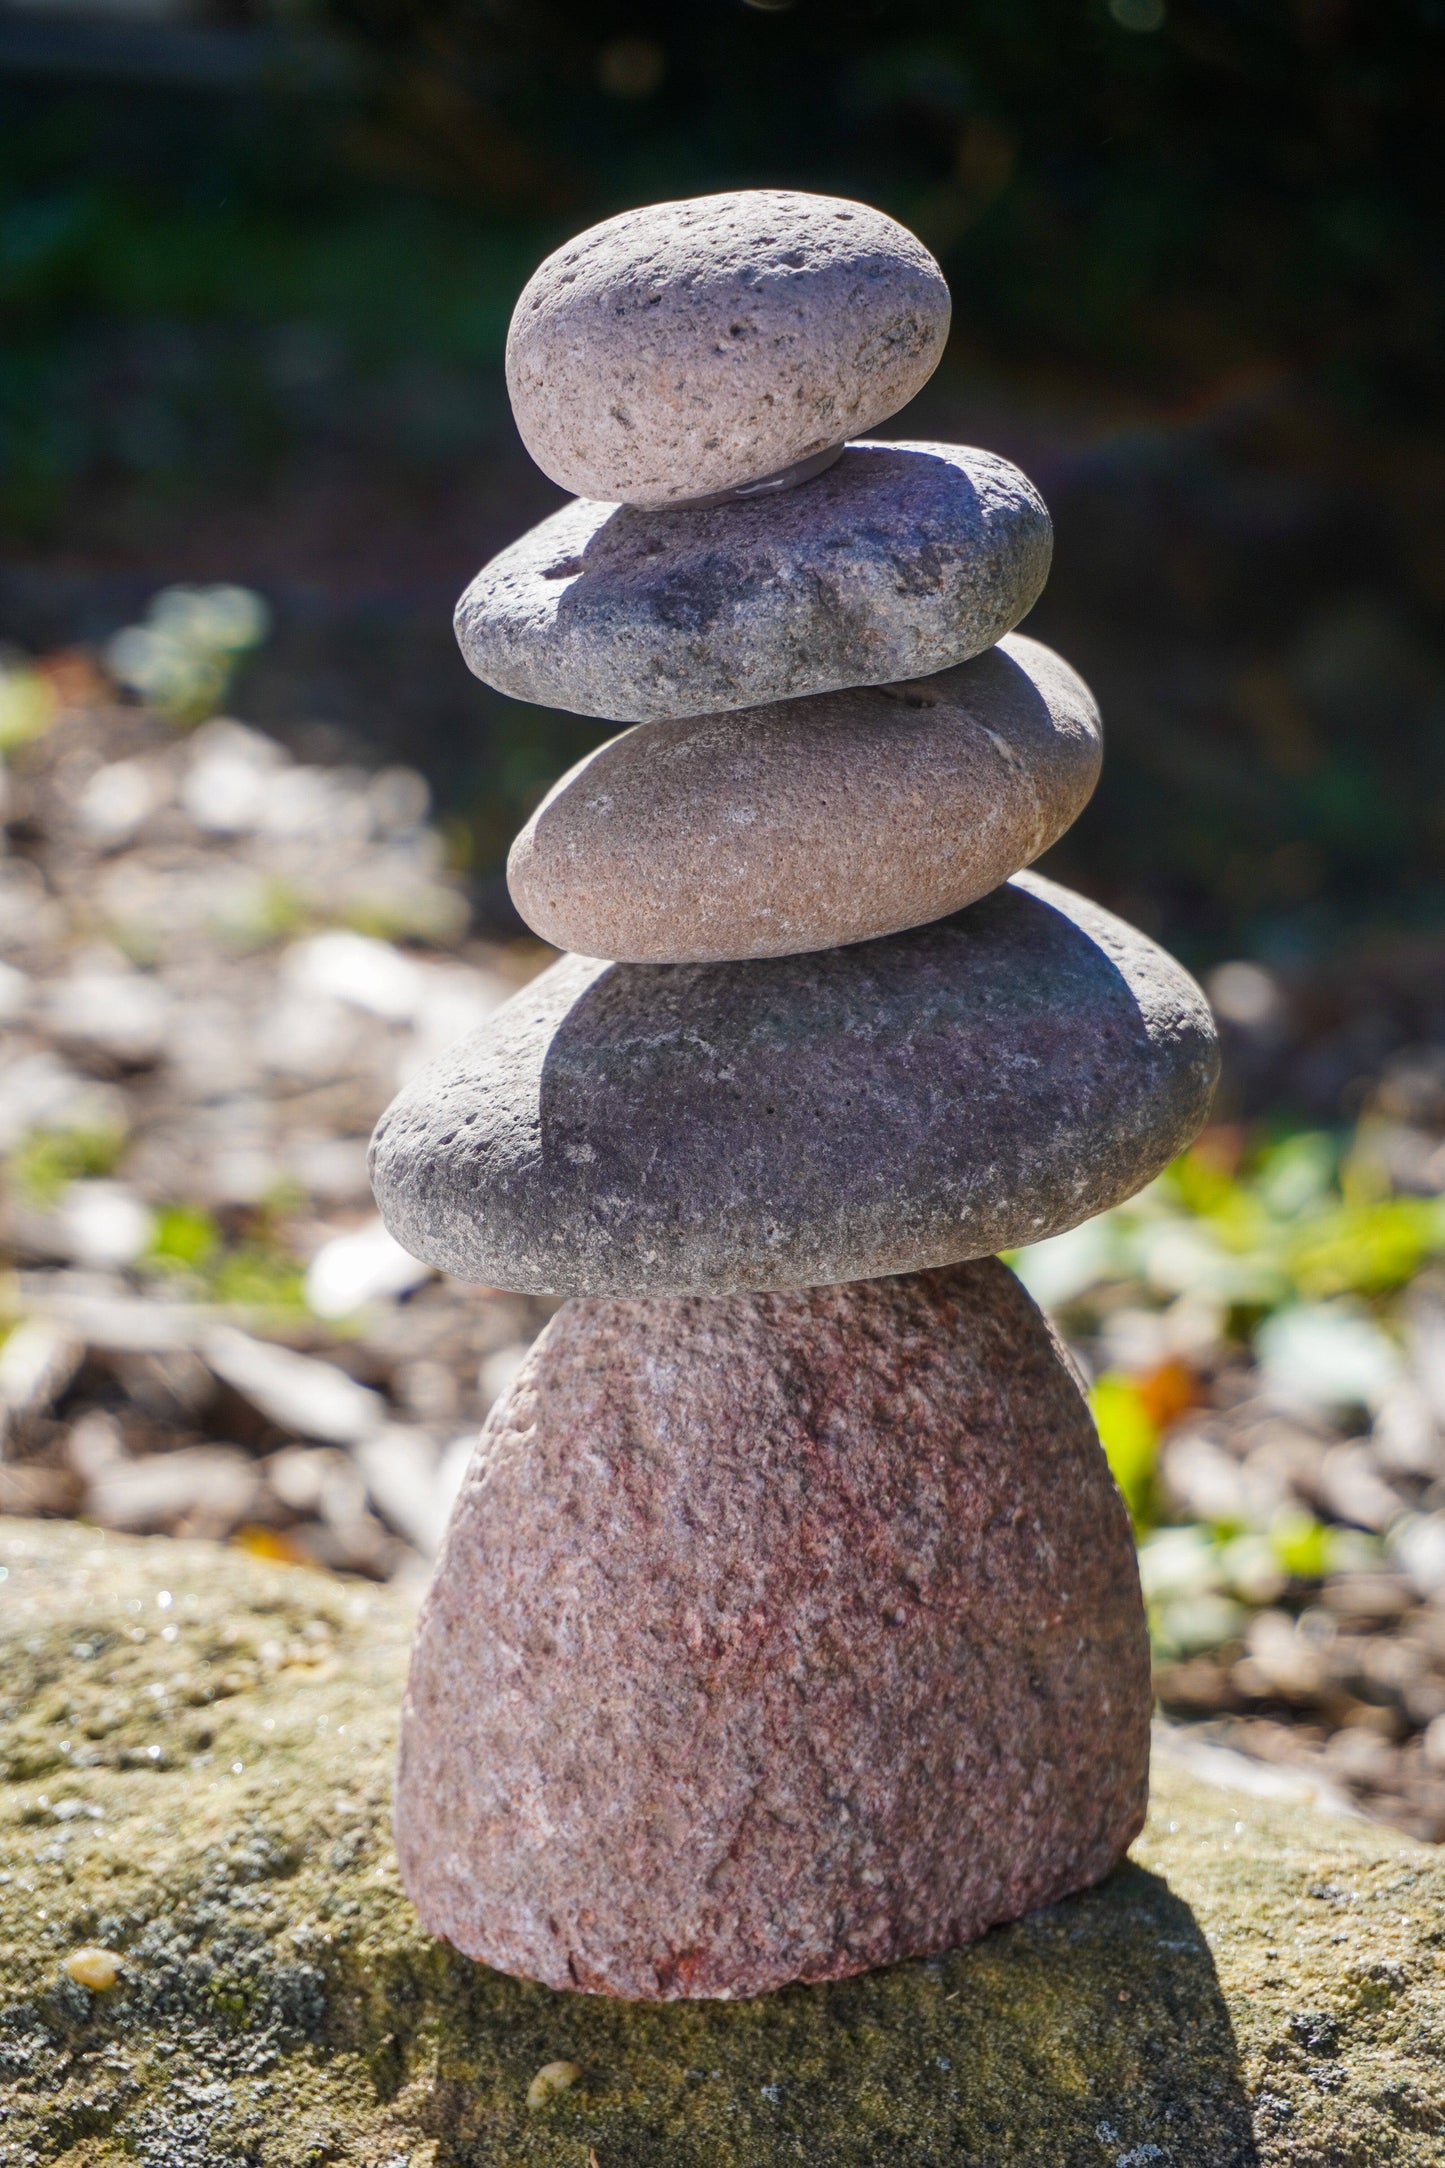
[[201, 1786]]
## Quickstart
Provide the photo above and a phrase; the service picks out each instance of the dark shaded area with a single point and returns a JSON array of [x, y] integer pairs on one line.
[[1093, 2030], [256, 271]]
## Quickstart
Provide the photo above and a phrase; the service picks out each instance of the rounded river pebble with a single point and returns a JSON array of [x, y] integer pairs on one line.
[[814, 822], [662, 1129], [691, 347], [900, 560]]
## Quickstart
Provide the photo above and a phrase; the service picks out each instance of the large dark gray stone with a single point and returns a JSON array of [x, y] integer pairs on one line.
[[900, 560], [662, 1129]]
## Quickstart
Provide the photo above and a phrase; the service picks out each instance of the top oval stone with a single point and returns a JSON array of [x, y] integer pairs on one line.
[[690, 348]]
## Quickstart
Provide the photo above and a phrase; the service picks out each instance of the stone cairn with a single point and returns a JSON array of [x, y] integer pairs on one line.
[[788, 1621]]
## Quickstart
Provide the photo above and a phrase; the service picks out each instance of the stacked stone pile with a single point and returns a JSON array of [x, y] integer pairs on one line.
[[788, 1621]]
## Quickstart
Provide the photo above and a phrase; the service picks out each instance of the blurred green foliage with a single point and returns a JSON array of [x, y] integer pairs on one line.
[[1304, 1217], [253, 1268], [182, 658], [1288, 1248], [181, 342], [259, 1275], [186, 1239], [1129, 1435], [1297, 1218], [27, 707], [45, 1161]]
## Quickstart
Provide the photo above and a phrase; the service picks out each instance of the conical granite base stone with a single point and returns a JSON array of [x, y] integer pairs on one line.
[[774, 1638]]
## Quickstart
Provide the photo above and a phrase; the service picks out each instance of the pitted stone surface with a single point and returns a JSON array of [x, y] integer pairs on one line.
[[899, 561], [658, 1129], [772, 1639], [690, 347], [811, 823]]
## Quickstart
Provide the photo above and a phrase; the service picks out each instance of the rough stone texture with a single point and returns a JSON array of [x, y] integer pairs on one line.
[[660, 1129], [900, 560], [1259, 1988], [811, 823], [774, 1638], [696, 346]]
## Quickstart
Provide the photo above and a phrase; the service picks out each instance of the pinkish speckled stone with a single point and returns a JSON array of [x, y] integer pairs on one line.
[[811, 823], [774, 1637]]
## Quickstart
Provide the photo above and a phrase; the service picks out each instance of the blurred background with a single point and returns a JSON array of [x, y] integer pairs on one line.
[[258, 262], [256, 267]]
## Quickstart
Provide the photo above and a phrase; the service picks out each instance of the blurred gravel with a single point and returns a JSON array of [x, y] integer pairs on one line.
[[217, 963], [1334, 1662], [1263, 1331]]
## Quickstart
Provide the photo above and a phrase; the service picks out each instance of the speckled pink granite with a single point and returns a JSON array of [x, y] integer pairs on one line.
[[774, 1637]]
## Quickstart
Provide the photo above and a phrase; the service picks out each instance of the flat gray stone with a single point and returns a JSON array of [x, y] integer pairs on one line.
[[774, 1638], [811, 823], [899, 561], [697, 346], [663, 1129]]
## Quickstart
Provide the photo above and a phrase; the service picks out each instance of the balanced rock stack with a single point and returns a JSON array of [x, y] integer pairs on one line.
[[788, 1621]]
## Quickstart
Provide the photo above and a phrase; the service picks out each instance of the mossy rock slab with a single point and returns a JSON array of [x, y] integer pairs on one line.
[[195, 1758]]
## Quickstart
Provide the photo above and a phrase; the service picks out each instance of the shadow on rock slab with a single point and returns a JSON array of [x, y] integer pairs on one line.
[[1090, 2035]]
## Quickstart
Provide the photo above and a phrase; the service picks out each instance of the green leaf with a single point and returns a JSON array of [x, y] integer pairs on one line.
[[27, 707], [1302, 1546], [257, 1278], [1130, 1438], [185, 1236]]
